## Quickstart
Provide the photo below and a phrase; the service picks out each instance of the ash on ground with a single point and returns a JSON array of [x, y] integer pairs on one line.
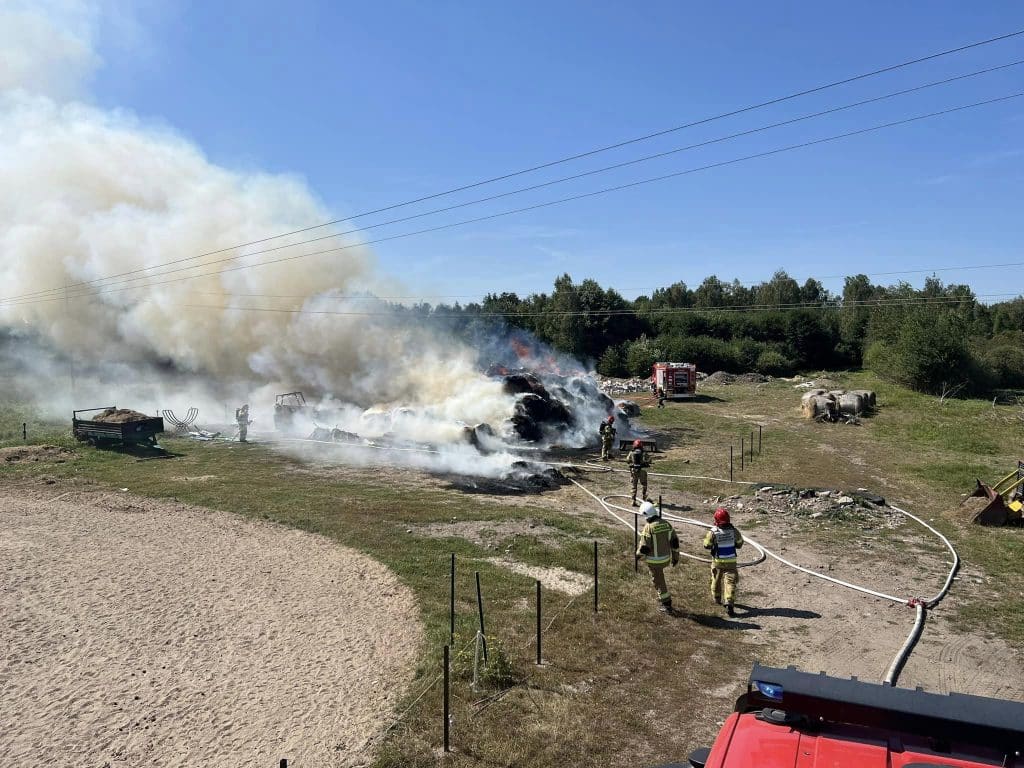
[[524, 477]]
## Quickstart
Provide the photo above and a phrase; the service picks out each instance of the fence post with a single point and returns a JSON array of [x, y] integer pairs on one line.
[[451, 607], [743, 450], [480, 608], [284, 762], [730, 462], [539, 656], [24, 431], [758, 439], [595, 577], [447, 706], [751, 446]]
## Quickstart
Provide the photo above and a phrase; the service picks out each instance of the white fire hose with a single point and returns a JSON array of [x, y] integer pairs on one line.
[[921, 605]]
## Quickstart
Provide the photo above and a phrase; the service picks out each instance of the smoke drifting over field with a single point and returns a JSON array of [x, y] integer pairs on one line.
[[89, 193]]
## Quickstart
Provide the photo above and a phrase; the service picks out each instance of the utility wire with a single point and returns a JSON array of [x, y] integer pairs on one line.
[[545, 184], [572, 198], [598, 150]]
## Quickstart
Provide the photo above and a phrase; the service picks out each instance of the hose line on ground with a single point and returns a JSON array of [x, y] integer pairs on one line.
[[922, 606]]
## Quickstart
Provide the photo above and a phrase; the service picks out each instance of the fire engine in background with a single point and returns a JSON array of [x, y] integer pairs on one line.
[[677, 380]]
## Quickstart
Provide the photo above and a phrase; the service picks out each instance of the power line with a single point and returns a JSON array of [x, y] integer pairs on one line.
[[542, 185], [598, 150], [560, 201]]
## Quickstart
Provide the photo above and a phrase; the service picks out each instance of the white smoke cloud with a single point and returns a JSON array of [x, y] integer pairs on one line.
[[46, 46], [90, 193]]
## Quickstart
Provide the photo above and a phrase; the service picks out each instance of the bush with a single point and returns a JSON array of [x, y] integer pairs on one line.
[[773, 363], [641, 355], [497, 672]]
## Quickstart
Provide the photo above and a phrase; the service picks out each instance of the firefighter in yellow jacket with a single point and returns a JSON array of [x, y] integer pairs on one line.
[[607, 432], [724, 540], [659, 546], [638, 463]]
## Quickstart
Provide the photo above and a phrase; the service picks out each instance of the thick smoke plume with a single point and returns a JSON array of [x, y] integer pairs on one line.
[[89, 193]]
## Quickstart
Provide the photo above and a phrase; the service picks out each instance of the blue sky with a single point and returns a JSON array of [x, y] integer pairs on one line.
[[375, 103]]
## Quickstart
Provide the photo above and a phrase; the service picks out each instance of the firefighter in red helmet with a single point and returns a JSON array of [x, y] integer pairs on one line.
[[607, 433], [638, 463], [724, 539]]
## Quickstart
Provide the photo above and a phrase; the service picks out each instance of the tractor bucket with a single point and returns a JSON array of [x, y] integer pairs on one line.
[[996, 512]]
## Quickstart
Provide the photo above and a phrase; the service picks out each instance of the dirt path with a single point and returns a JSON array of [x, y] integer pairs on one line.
[[135, 632], [797, 619]]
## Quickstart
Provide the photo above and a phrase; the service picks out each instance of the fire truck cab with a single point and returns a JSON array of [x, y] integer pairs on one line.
[[677, 380], [789, 718]]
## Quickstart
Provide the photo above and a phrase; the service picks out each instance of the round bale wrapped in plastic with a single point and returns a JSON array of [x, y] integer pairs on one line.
[[851, 404], [869, 397]]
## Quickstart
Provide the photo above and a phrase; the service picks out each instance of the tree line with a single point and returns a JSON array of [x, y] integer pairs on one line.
[[932, 339]]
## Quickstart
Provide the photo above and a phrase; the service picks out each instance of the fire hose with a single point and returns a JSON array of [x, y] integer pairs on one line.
[[921, 606]]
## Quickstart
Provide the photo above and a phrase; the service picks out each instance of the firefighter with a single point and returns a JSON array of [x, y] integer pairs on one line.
[[607, 432], [242, 418], [661, 397], [638, 463], [659, 546], [723, 540]]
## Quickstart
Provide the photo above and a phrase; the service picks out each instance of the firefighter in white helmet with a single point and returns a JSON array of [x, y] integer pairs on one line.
[[659, 546], [724, 540]]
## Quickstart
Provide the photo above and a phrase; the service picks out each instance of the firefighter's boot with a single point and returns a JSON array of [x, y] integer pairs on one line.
[[730, 610], [634, 501]]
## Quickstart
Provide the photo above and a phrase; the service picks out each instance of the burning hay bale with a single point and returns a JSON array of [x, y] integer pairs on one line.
[[543, 411], [629, 408]]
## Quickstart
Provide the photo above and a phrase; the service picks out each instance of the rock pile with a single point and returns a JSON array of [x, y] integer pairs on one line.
[[721, 377], [612, 386], [822, 503]]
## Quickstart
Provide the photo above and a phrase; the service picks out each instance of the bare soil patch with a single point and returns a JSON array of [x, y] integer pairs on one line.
[[487, 533], [23, 453], [560, 579], [140, 632]]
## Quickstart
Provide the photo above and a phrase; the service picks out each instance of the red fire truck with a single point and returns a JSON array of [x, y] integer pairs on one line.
[[792, 719], [678, 380]]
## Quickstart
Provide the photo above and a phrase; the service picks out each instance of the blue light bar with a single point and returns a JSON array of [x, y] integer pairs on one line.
[[769, 690]]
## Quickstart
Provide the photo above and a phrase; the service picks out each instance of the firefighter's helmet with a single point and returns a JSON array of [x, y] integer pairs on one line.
[[638, 444], [649, 511], [610, 420], [721, 516]]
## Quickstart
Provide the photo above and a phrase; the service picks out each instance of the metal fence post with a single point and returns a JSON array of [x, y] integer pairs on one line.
[[595, 577], [539, 655], [480, 608], [447, 705]]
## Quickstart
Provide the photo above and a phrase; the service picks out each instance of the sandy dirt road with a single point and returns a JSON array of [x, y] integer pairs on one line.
[[136, 632]]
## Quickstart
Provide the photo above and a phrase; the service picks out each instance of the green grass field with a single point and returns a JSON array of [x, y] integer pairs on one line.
[[602, 694]]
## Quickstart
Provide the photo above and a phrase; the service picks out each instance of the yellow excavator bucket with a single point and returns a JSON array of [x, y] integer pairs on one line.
[[1006, 499]]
